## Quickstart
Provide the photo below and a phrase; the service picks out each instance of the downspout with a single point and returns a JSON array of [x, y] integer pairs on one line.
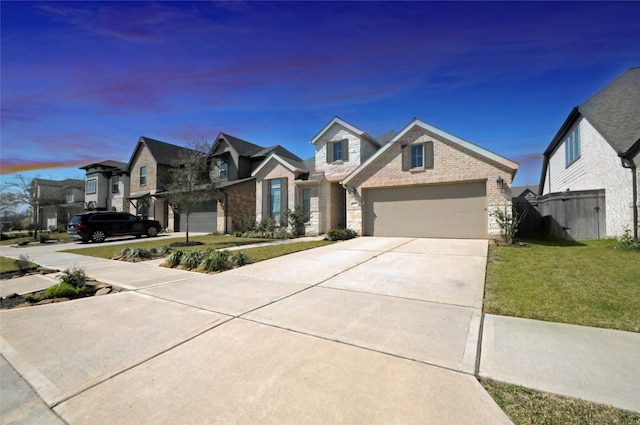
[[628, 163]]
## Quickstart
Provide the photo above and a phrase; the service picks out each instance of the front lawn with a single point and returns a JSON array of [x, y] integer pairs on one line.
[[525, 406], [18, 237], [261, 253], [586, 283], [107, 250]]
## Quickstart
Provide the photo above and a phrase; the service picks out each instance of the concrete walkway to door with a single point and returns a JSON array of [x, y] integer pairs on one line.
[[372, 330]]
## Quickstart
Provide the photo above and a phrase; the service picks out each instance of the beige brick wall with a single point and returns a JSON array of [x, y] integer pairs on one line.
[[452, 164]]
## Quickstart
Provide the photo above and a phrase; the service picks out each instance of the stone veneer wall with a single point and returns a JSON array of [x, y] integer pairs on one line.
[[452, 164], [274, 170]]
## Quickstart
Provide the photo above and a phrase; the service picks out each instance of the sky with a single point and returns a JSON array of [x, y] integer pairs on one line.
[[82, 81]]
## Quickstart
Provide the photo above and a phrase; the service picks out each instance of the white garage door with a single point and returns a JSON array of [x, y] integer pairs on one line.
[[431, 211]]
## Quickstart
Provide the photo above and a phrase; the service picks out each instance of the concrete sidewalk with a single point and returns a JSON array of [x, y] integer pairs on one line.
[[599, 365]]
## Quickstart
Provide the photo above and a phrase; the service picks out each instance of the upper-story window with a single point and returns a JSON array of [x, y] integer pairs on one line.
[[115, 183], [572, 147], [338, 151], [224, 170], [417, 156], [143, 175], [92, 185], [68, 193]]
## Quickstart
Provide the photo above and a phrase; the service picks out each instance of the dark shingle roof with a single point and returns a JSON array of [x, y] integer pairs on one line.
[[615, 111], [279, 150], [108, 163], [164, 153], [58, 183], [243, 147]]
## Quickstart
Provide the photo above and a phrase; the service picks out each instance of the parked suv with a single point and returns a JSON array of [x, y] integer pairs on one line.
[[97, 226]]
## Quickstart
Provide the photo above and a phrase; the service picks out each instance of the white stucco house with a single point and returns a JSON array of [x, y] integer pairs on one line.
[[597, 149]]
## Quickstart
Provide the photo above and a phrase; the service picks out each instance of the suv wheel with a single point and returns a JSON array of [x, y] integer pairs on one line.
[[152, 232], [98, 236]]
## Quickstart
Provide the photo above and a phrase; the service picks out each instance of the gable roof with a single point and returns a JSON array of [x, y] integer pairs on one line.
[[293, 165], [614, 111], [106, 164], [58, 183], [242, 147], [350, 127], [164, 153], [278, 150], [442, 134]]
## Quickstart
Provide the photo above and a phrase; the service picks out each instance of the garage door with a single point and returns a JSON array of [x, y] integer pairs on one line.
[[432, 211], [202, 219]]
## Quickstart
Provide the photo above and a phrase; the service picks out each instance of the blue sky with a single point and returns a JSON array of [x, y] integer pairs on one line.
[[82, 81]]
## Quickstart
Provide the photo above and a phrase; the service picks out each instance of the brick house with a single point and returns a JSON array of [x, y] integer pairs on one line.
[[149, 171], [595, 155], [237, 166], [420, 182], [107, 186]]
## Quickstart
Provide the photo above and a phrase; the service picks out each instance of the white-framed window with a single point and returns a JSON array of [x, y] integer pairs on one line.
[[275, 199], [338, 151], [417, 156], [572, 147], [115, 184], [92, 186], [143, 175]]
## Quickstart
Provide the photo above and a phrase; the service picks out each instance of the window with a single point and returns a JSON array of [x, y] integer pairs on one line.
[[91, 186], [143, 175], [306, 201], [572, 147], [115, 180], [68, 193], [275, 199], [224, 170], [417, 157], [142, 209], [338, 151]]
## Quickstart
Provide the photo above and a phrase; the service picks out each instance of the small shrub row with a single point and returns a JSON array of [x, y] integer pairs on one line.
[[265, 234], [23, 263], [208, 260], [340, 234], [132, 254]]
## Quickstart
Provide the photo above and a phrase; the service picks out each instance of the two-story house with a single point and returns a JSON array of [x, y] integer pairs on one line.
[[53, 202], [236, 166], [150, 173], [107, 186], [592, 161]]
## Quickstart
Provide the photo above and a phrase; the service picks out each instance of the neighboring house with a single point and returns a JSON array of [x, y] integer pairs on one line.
[[107, 186], [149, 171], [54, 202], [421, 182], [525, 202], [237, 167], [594, 158]]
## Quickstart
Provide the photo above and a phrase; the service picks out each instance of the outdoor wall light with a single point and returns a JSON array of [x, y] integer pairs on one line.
[[352, 190], [500, 183]]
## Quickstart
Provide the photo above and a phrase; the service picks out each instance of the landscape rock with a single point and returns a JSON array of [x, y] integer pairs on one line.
[[103, 291]]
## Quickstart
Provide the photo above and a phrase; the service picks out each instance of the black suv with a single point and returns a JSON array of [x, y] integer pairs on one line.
[[97, 226]]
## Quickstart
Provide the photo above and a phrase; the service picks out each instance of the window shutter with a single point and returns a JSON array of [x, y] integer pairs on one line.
[[329, 153], [406, 157], [345, 150], [265, 199], [284, 200], [428, 155]]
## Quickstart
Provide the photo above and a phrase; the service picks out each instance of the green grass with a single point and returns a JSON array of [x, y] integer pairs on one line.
[[24, 237], [588, 283], [7, 265], [525, 406], [266, 252], [107, 250]]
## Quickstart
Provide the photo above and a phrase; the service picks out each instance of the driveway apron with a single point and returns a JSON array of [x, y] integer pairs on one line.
[[373, 330]]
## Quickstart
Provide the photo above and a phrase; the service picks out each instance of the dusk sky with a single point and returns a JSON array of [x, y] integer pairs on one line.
[[82, 81]]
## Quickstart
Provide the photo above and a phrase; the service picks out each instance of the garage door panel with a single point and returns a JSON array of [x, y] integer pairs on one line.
[[446, 211]]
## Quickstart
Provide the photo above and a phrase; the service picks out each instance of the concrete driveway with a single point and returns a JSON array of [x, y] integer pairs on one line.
[[372, 330]]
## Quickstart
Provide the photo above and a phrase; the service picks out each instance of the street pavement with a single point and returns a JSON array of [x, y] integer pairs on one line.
[[372, 330]]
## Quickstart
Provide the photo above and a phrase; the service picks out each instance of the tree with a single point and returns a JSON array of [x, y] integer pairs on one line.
[[508, 220], [190, 181], [14, 195]]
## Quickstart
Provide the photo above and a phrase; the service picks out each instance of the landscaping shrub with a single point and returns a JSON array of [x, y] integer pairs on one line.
[[247, 222], [61, 290], [297, 218], [165, 250], [23, 263], [266, 225], [132, 254], [173, 260], [267, 234], [44, 237], [6, 237], [340, 234], [74, 276], [240, 259], [627, 243], [192, 259], [215, 261]]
